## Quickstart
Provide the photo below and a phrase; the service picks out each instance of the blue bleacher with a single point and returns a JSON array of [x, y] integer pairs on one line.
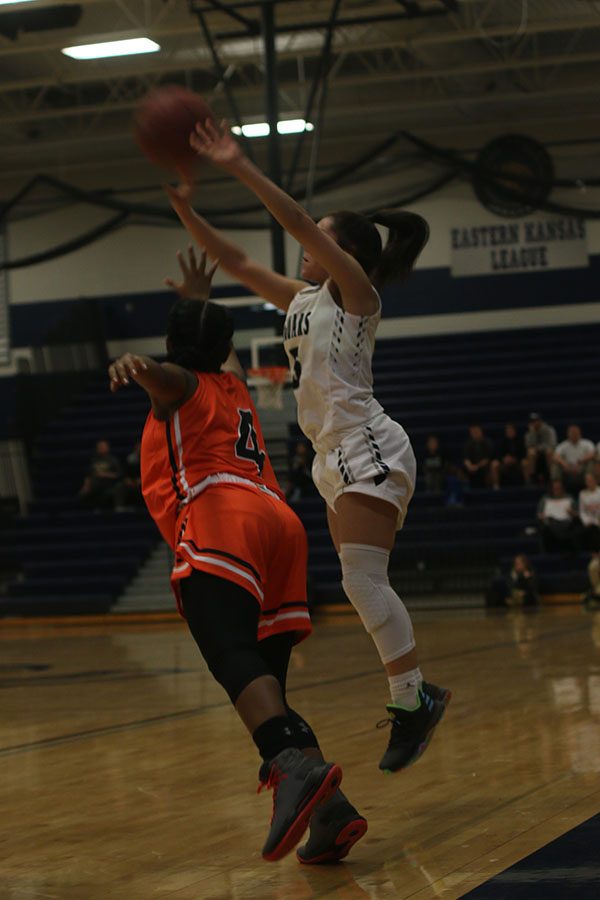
[[72, 560]]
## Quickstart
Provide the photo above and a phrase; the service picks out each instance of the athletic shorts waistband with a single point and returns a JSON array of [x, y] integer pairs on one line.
[[224, 478]]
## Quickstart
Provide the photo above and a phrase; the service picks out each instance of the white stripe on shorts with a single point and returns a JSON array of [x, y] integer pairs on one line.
[[224, 565]]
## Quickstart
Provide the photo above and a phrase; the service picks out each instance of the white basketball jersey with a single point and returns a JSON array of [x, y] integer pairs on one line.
[[330, 353]]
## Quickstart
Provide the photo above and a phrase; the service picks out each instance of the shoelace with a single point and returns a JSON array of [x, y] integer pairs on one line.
[[276, 776], [383, 723]]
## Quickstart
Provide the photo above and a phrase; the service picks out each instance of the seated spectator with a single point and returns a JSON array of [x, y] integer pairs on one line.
[[573, 458], [128, 492], [300, 482], [98, 489], [558, 518], [523, 583], [589, 514], [540, 441], [477, 456], [507, 469], [517, 589]]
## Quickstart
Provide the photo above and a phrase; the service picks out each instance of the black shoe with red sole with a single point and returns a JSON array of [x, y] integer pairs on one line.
[[335, 828], [300, 784]]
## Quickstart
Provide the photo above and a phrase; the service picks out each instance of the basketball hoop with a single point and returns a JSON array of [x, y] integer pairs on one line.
[[269, 381]]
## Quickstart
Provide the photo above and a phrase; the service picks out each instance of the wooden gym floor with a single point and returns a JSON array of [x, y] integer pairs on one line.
[[125, 774]]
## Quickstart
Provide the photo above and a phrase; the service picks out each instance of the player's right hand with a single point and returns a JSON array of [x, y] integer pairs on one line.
[[123, 369], [216, 143]]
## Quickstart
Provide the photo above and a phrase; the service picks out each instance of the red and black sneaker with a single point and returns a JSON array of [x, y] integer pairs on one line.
[[300, 784], [335, 827]]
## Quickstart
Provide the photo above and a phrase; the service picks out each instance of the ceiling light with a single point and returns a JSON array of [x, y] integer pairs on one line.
[[294, 126], [112, 48], [261, 129], [12, 2]]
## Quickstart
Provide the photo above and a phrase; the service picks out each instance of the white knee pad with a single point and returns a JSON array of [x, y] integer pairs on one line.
[[382, 612]]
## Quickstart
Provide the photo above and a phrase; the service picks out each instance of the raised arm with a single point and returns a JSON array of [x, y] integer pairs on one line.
[[195, 285], [271, 286], [167, 385], [219, 145]]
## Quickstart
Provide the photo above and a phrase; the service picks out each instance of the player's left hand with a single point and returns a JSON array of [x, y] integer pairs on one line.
[[123, 369], [197, 279]]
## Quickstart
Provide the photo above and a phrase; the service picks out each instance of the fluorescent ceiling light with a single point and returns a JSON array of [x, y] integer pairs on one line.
[[293, 126], [256, 129], [285, 126], [112, 48], [12, 2]]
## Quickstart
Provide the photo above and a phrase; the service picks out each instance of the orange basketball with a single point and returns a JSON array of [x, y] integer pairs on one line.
[[163, 123]]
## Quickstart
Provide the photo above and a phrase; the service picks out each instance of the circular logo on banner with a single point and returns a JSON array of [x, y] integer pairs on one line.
[[503, 158]]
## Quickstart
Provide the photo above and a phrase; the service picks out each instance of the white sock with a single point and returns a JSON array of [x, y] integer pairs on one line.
[[404, 687]]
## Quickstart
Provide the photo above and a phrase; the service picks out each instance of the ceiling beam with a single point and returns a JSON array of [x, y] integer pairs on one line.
[[428, 38], [386, 108], [483, 67], [382, 77]]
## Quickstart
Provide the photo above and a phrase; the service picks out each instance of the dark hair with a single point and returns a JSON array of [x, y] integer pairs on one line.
[[357, 234], [199, 335]]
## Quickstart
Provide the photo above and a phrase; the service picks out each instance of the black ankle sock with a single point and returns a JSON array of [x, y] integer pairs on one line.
[[273, 736], [305, 736]]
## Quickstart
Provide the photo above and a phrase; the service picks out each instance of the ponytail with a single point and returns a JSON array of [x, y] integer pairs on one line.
[[408, 234], [357, 235]]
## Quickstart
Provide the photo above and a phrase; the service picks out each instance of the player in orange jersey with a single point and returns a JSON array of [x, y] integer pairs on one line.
[[240, 552]]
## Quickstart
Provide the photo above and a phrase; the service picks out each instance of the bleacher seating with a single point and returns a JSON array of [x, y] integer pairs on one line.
[[73, 560], [442, 384]]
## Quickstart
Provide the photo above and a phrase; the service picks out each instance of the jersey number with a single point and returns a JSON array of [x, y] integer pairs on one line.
[[297, 369], [246, 446]]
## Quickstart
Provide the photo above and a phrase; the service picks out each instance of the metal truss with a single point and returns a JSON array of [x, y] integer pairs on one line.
[[462, 60]]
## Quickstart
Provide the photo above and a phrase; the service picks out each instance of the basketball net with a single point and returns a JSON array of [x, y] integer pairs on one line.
[[269, 381]]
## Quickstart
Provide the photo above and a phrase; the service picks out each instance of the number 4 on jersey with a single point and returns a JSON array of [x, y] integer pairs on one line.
[[246, 446]]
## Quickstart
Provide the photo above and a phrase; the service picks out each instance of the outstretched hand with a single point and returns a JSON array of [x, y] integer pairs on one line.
[[197, 279], [216, 143], [125, 368]]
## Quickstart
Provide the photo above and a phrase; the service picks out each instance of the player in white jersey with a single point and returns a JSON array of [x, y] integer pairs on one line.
[[364, 465]]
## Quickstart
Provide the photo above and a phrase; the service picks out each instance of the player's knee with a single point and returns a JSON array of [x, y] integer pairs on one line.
[[365, 588], [234, 668]]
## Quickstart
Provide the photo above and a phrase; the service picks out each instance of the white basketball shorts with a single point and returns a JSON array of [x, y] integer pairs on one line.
[[375, 459]]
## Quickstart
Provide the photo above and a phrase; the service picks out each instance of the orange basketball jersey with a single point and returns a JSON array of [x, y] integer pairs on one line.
[[215, 432]]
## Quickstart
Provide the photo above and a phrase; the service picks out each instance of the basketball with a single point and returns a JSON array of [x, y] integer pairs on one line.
[[163, 123]]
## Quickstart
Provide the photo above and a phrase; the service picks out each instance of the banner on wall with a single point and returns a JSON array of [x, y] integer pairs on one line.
[[530, 245]]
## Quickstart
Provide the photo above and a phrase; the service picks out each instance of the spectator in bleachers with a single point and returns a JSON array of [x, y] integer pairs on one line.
[[558, 520], [589, 514], [440, 474], [540, 441], [300, 481], [507, 469], [434, 465], [98, 488], [477, 457], [128, 492], [573, 459]]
